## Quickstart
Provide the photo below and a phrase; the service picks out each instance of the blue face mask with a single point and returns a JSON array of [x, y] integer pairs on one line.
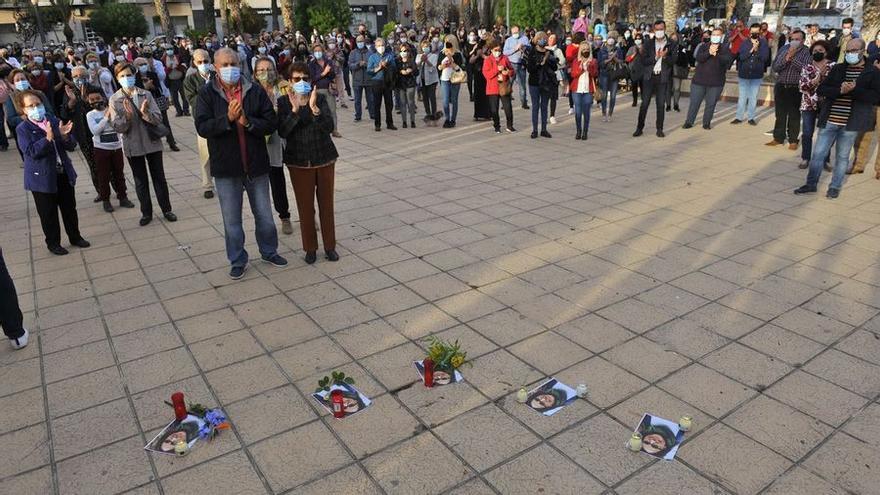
[[127, 82], [59, 65], [93, 65], [302, 87], [37, 114], [542, 42], [230, 75], [142, 69], [38, 60], [319, 55], [360, 45], [204, 68], [169, 52], [853, 58], [261, 49], [208, 45], [22, 85]]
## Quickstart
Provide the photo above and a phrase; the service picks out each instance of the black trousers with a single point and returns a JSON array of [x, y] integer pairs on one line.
[[139, 166], [653, 88], [494, 100], [383, 93], [636, 84], [10, 312], [48, 205], [788, 113], [429, 99], [278, 186], [177, 97], [170, 136]]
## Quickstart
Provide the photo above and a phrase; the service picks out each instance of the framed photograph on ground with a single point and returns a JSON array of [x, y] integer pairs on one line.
[[186, 430], [353, 401], [660, 437], [550, 397], [441, 377]]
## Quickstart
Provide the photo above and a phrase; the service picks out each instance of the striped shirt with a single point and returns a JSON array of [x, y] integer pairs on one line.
[[842, 105]]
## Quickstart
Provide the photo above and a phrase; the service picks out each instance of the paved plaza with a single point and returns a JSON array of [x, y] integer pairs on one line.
[[672, 276]]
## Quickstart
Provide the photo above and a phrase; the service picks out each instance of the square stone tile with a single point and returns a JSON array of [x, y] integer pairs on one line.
[[865, 423], [391, 300], [311, 357], [606, 382], [672, 299], [419, 465], [420, 321], [286, 331], [635, 315], [286, 464], [77, 361], [551, 277], [343, 314], [289, 410], [144, 342], [800, 480], [109, 470], [225, 349], [351, 479], [91, 428], [158, 369], [746, 365], [437, 286], [597, 446], [783, 429], [686, 337], [863, 344], [812, 325], [706, 389], [512, 291], [498, 373], [669, 478], [506, 327], [645, 358], [369, 338], [724, 321], [239, 478], [657, 402], [543, 470], [20, 375], [847, 462], [266, 309], [437, 405], [245, 379], [469, 305], [594, 332], [782, 344], [384, 423], [38, 481], [847, 371], [208, 325], [485, 436], [387, 365], [841, 309], [75, 334], [471, 342], [315, 296], [366, 281], [725, 464], [550, 310], [32, 444], [549, 352], [818, 398]]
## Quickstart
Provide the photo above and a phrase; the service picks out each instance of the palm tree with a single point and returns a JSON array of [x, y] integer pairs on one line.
[[421, 12], [613, 8], [164, 18], [670, 12], [235, 14], [871, 20], [731, 7], [208, 14], [224, 17], [65, 8], [287, 15]]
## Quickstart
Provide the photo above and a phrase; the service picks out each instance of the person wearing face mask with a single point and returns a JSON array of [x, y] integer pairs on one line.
[[323, 70], [175, 71], [658, 58], [275, 88], [581, 23], [811, 77], [236, 116], [846, 34], [99, 76], [751, 63], [335, 54], [713, 58], [849, 96], [813, 35], [499, 73], [19, 80], [106, 151], [382, 69], [476, 62], [360, 81], [407, 71], [514, 49], [542, 66], [584, 74], [788, 65], [193, 83], [310, 155], [450, 63], [74, 108], [132, 109], [470, 49], [429, 78], [48, 172], [149, 80], [636, 70], [560, 74], [610, 59]]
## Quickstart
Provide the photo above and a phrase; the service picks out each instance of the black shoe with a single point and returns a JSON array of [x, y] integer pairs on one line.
[[311, 256], [752, 122], [108, 207], [637, 133], [356, 119], [511, 129], [577, 137], [707, 126], [125, 203], [332, 255], [687, 125], [97, 199], [377, 129], [391, 127], [805, 189], [584, 136], [736, 121], [660, 133], [497, 130], [171, 217], [173, 147], [145, 220], [676, 108], [546, 134], [81, 243], [412, 124], [447, 124], [534, 134], [525, 106], [452, 123], [832, 193], [178, 114], [58, 250], [404, 124], [668, 109], [209, 194], [237, 272]]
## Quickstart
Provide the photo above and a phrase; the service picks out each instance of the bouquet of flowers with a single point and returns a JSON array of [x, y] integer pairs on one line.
[[445, 355]]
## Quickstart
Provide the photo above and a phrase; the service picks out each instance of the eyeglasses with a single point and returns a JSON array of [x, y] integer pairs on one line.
[[297, 79]]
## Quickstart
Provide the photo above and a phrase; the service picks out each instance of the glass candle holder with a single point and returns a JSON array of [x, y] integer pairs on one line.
[[522, 396], [181, 448], [685, 422], [635, 442], [582, 390]]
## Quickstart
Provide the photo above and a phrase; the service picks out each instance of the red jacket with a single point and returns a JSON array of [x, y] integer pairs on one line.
[[576, 71], [571, 53], [735, 43], [491, 71]]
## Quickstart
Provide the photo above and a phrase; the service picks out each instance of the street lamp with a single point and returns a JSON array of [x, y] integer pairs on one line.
[[35, 3]]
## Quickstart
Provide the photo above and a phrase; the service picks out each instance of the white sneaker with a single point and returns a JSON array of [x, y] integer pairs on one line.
[[553, 120], [20, 342], [571, 111]]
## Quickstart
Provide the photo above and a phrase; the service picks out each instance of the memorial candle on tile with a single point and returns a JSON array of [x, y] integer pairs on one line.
[[179, 406], [336, 401], [428, 364]]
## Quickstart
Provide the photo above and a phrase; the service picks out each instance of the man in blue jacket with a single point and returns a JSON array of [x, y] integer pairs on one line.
[[235, 116], [752, 60], [357, 65], [381, 69]]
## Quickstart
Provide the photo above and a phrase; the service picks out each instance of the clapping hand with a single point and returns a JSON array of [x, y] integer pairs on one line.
[[847, 86], [144, 107], [50, 134], [234, 110], [326, 70], [128, 107], [65, 128], [713, 50]]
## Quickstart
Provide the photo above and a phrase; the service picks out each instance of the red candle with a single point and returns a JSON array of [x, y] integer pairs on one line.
[[179, 406], [336, 401], [429, 372]]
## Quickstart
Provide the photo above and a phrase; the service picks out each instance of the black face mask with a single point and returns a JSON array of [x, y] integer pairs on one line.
[[818, 56], [755, 35], [99, 106]]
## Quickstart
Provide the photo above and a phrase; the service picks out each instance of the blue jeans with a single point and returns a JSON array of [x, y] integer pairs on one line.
[[449, 95], [229, 192], [609, 91], [582, 104], [540, 100], [808, 127], [831, 134], [521, 81], [368, 92], [748, 98]]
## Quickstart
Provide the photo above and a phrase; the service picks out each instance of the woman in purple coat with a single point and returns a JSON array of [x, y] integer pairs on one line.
[[48, 172]]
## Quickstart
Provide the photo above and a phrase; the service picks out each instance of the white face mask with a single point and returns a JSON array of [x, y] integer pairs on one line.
[[847, 31], [659, 34], [380, 49]]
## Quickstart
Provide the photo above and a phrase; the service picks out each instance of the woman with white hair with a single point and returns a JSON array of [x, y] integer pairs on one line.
[[451, 62]]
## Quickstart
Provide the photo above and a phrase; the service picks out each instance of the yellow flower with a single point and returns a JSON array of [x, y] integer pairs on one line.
[[457, 361]]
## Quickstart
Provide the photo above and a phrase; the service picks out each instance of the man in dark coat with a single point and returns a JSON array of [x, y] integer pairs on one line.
[[658, 58]]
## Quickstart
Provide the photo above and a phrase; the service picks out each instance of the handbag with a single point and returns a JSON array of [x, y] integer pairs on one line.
[[504, 88], [163, 103], [155, 131], [598, 93], [458, 77]]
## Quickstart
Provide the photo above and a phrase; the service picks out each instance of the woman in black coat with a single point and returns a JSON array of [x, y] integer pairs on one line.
[[541, 65]]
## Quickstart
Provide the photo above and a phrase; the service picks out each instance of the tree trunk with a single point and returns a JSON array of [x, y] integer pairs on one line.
[[208, 15], [164, 18], [871, 20], [224, 17], [487, 12], [235, 14], [670, 13], [273, 13], [783, 4], [731, 8], [287, 15], [421, 12], [613, 14]]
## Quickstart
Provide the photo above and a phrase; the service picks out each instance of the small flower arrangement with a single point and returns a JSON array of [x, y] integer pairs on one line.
[[335, 378], [214, 420], [445, 355]]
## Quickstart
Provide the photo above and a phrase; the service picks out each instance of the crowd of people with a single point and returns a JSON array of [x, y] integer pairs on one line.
[[269, 102]]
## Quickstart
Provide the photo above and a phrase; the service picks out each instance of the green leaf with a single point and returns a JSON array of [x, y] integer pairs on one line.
[[349, 380]]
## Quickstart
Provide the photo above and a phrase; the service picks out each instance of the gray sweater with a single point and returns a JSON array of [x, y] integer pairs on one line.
[[135, 139]]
